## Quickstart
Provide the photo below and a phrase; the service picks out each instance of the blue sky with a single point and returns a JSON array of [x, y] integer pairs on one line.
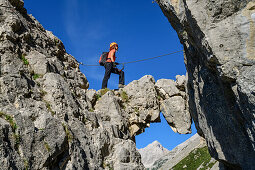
[[87, 28]]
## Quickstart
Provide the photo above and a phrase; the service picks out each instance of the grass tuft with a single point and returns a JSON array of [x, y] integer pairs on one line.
[[159, 97], [11, 121], [25, 61], [26, 164], [42, 93], [124, 96], [47, 147], [17, 139], [48, 106], [36, 76], [107, 166], [98, 96], [68, 133], [91, 110], [136, 110], [104, 91], [16, 136]]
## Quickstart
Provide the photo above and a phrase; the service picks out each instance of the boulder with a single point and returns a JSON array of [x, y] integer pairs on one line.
[[167, 88], [176, 114]]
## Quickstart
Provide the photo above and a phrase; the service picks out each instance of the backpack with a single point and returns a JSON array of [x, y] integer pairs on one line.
[[103, 58]]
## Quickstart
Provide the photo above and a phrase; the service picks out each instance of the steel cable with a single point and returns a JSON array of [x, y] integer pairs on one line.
[[124, 63]]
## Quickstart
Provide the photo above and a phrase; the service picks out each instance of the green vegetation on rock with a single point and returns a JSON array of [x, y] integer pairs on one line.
[[101, 93], [36, 76], [98, 96], [16, 136], [24, 59], [159, 97], [91, 110], [49, 108], [107, 166], [136, 110], [124, 96], [26, 164], [199, 157], [42, 93], [104, 91], [68, 133], [11, 121], [47, 147]]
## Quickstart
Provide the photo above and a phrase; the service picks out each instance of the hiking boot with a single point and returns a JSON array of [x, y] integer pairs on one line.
[[121, 86]]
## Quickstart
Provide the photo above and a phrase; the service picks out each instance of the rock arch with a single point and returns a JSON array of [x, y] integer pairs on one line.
[[50, 120]]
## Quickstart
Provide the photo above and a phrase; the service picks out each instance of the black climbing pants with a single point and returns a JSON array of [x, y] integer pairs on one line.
[[109, 68]]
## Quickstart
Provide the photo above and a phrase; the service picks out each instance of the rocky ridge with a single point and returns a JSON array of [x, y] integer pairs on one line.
[[49, 118], [152, 153], [156, 157], [218, 40]]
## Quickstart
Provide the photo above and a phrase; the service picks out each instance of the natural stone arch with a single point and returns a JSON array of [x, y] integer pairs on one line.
[[54, 114], [145, 99]]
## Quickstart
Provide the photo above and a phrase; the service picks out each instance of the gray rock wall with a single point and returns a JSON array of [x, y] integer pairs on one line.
[[219, 43], [50, 120]]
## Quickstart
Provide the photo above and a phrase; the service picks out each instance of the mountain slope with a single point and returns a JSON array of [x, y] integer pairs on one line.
[[177, 157], [199, 158], [151, 153]]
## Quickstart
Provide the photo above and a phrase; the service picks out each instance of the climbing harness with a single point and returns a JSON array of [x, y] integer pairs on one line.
[[124, 63]]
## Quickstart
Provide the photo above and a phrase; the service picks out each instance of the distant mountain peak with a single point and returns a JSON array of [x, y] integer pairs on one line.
[[152, 152], [155, 143]]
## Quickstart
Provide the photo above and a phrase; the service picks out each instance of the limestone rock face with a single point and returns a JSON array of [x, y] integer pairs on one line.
[[174, 105], [218, 40], [48, 117], [146, 98]]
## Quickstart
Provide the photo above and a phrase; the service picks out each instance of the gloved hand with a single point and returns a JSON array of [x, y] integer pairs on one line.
[[116, 63]]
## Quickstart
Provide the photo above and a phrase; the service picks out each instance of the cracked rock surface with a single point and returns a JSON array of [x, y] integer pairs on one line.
[[219, 49], [50, 120]]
